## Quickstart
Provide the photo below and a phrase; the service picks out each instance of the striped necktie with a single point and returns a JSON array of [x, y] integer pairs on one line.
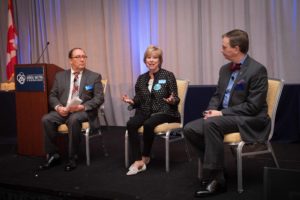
[[75, 89]]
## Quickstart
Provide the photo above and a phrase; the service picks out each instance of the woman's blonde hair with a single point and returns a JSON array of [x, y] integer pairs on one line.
[[150, 49]]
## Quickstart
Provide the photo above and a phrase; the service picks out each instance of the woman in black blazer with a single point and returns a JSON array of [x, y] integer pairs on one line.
[[156, 102]]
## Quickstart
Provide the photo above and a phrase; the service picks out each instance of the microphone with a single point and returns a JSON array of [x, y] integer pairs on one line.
[[42, 52]]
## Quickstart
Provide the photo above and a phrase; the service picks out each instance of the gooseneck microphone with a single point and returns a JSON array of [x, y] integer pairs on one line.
[[38, 60]]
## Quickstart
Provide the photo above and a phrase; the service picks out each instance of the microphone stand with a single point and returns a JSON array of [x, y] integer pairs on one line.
[[42, 52]]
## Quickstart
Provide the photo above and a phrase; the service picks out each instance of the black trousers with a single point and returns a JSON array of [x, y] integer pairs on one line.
[[149, 124], [52, 120], [207, 135]]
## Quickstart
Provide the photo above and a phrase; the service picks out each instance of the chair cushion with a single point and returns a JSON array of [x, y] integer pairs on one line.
[[232, 137], [64, 129], [162, 128]]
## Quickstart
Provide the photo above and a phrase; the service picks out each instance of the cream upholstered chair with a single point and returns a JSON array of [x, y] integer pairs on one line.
[[235, 140], [85, 129], [164, 130]]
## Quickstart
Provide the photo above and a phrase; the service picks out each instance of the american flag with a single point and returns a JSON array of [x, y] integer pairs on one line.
[[12, 44]]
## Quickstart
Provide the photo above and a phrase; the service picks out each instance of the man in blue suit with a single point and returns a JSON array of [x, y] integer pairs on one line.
[[238, 105], [75, 83]]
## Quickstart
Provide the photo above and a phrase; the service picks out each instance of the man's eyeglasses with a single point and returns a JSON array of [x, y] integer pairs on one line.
[[78, 57]]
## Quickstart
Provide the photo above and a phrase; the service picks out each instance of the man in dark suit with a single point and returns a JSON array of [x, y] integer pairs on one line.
[[238, 104], [76, 83]]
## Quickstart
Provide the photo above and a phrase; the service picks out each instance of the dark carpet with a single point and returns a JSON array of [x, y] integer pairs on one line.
[[106, 177]]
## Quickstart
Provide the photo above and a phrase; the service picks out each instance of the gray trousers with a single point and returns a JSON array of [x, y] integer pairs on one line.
[[207, 135], [52, 120]]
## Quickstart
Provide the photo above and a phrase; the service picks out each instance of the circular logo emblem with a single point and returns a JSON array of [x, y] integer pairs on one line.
[[157, 86], [21, 78]]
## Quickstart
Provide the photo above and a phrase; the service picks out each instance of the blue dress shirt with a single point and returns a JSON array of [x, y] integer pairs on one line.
[[234, 74]]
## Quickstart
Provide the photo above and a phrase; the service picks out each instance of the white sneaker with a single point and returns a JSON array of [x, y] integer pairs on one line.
[[133, 170]]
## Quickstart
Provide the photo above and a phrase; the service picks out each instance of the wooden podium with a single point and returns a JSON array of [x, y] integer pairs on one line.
[[33, 84]]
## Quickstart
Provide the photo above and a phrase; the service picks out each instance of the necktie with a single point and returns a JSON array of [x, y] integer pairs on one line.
[[235, 66], [75, 85]]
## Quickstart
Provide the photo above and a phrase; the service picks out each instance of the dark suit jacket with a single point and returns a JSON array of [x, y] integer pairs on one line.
[[90, 92], [247, 99]]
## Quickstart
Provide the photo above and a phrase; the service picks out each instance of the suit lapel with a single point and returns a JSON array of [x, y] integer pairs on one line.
[[243, 69], [66, 82], [240, 76], [67, 78], [82, 82]]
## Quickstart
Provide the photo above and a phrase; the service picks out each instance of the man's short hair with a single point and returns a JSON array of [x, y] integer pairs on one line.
[[70, 55], [238, 38]]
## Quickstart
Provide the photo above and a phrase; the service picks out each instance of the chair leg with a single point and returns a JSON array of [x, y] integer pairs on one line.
[[239, 167], [126, 150], [167, 144], [87, 146], [273, 154]]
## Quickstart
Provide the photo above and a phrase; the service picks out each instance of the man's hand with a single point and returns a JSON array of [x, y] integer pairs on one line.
[[63, 111], [76, 108], [211, 113]]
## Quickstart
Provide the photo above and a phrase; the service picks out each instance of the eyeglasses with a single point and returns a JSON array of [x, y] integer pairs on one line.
[[78, 57]]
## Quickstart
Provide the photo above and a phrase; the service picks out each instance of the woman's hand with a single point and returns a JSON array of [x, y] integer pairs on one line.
[[170, 99], [126, 99]]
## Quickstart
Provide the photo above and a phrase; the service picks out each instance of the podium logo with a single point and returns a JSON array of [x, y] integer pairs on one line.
[[21, 78]]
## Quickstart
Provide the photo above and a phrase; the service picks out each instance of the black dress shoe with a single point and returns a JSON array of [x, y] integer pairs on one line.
[[71, 165], [52, 161], [210, 188]]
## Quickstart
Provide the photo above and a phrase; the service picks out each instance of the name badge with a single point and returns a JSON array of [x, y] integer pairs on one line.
[[162, 81], [88, 87]]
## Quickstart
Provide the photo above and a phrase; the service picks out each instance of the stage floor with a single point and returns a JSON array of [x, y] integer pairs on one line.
[[106, 177]]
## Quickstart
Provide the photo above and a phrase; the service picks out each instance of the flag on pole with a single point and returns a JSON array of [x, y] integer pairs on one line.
[[12, 44]]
